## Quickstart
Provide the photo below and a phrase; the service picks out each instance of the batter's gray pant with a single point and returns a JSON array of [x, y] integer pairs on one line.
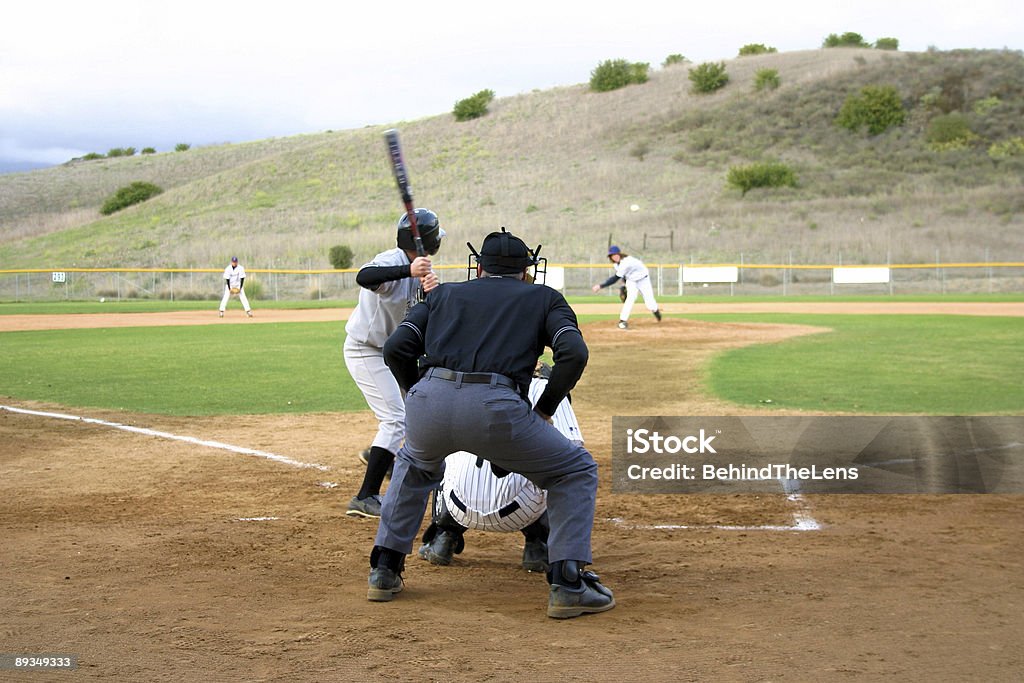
[[444, 416]]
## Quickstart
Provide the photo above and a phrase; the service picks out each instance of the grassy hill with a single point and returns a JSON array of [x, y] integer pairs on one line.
[[563, 167]]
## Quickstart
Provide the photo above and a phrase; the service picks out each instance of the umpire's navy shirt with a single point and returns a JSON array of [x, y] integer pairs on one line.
[[491, 324]]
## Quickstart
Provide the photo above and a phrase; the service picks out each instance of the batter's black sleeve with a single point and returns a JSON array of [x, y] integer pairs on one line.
[[372, 277], [610, 281], [404, 347]]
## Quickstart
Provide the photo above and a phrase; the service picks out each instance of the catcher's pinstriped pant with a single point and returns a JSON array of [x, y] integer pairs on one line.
[[381, 391], [445, 416]]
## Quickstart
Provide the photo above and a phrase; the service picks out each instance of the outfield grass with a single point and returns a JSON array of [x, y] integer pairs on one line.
[[913, 364], [187, 370]]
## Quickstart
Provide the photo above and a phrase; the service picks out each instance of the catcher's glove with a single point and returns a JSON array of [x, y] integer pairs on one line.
[[622, 293], [236, 290], [542, 371]]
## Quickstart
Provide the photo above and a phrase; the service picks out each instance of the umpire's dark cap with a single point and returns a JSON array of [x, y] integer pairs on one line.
[[503, 253]]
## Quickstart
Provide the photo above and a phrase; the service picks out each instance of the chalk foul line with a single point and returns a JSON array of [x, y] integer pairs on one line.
[[241, 450], [802, 521]]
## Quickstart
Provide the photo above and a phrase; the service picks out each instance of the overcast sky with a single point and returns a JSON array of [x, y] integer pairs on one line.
[[86, 76]]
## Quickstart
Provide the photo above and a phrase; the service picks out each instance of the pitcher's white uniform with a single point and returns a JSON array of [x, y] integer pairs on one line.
[[233, 276], [638, 280], [476, 498], [375, 317]]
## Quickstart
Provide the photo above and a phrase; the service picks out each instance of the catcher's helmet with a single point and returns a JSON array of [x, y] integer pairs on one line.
[[429, 228]]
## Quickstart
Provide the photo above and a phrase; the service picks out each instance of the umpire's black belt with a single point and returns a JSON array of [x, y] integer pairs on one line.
[[471, 377]]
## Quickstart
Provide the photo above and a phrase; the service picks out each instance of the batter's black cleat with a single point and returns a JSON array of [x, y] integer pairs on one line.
[[383, 584], [440, 549], [535, 556], [364, 507], [587, 596], [657, 315]]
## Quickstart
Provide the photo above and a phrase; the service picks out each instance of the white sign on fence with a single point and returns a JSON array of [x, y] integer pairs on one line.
[[861, 276], [60, 277], [711, 274], [555, 278]]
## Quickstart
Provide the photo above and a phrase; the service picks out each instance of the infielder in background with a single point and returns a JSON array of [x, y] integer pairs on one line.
[[475, 494], [234, 283], [392, 283], [466, 357], [638, 280]]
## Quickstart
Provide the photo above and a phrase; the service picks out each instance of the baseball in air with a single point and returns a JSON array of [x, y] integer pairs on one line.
[[634, 207], [102, 299]]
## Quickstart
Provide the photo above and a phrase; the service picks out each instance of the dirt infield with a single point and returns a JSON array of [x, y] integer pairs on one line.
[[153, 559]]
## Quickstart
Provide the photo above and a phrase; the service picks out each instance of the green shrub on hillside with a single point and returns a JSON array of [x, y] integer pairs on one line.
[[341, 256], [708, 77], [673, 59], [756, 49], [130, 194], [474, 106], [887, 44], [93, 155], [121, 152], [764, 174], [148, 150], [182, 147], [848, 39], [949, 131], [767, 79], [613, 74], [1004, 149], [875, 107]]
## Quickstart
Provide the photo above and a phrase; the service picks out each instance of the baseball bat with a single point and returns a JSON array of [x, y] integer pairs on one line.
[[404, 189]]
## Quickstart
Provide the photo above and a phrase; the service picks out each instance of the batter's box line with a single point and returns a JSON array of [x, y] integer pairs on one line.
[[802, 521], [241, 450]]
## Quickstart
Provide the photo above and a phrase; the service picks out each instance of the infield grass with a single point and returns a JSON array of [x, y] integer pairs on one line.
[[906, 364]]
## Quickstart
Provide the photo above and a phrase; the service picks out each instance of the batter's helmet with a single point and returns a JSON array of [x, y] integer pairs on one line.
[[429, 228]]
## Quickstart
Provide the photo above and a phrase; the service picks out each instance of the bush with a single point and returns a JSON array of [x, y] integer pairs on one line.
[[341, 256], [473, 107], [887, 44], [948, 131], [1004, 149], [93, 155], [182, 147], [756, 49], [130, 194], [708, 77], [640, 150], [613, 74], [121, 152], [673, 59], [876, 108], [766, 79], [148, 150], [848, 39], [766, 174]]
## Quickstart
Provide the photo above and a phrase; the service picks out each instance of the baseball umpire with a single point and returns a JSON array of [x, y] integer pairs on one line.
[[475, 494], [390, 285], [479, 342]]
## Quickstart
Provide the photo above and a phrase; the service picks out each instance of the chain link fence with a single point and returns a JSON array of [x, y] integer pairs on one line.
[[671, 279]]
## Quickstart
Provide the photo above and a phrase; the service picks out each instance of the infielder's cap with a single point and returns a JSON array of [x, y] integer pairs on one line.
[[614, 250], [234, 259], [503, 253]]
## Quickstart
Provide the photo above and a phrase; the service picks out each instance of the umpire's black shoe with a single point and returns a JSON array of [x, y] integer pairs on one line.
[[384, 583], [440, 549], [588, 597], [535, 556]]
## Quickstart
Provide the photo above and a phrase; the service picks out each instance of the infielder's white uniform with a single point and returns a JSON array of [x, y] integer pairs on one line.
[[375, 317], [638, 280], [476, 498], [233, 276]]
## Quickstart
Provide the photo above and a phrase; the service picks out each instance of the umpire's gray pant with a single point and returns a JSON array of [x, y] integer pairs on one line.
[[494, 422]]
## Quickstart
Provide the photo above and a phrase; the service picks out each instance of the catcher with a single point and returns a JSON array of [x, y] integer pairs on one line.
[[234, 283], [476, 494]]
